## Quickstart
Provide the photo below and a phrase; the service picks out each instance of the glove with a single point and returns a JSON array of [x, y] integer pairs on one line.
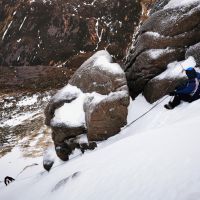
[[173, 93]]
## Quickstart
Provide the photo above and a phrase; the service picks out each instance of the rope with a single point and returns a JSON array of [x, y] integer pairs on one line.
[[151, 107], [41, 172], [144, 113]]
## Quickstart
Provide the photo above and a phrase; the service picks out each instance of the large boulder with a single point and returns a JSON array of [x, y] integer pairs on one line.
[[105, 117], [99, 74], [93, 103], [171, 33], [105, 114]]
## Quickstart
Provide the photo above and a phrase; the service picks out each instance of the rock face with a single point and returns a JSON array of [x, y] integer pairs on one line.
[[34, 78], [106, 117], [99, 74], [50, 32], [94, 103], [171, 33]]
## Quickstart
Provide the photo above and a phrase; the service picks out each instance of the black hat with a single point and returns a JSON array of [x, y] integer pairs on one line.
[[191, 73]]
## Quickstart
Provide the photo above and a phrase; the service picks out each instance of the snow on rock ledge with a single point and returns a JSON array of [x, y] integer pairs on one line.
[[167, 81], [94, 102], [171, 33]]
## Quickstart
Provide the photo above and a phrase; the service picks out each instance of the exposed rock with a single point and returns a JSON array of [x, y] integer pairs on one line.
[[156, 88], [34, 78], [95, 103], [106, 117], [22, 123], [149, 64], [49, 32], [48, 160], [169, 31]]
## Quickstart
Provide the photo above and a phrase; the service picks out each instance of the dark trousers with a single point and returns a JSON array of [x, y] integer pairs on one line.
[[183, 97]]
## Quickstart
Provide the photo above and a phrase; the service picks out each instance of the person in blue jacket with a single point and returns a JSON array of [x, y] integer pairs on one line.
[[189, 92]]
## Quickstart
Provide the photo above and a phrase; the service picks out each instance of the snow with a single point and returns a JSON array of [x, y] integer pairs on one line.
[[156, 53], [177, 3], [5, 32], [22, 23], [19, 118], [68, 92], [19, 40], [71, 114], [156, 158], [97, 33], [176, 69], [28, 101], [189, 62], [103, 60], [155, 34]]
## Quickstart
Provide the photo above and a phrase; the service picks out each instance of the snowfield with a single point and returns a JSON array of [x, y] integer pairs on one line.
[[157, 158]]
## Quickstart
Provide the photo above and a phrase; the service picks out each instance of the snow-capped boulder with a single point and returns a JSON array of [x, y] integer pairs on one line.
[[99, 74], [65, 115], [105, 113], [94, 102], [172, 28]]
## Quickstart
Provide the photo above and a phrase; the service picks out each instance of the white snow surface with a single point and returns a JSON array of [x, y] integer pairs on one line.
[[156, 53], [178, 3], [177, 69], [189, 62], [71, 114], [67, 92], [157, 158], [103, 60]]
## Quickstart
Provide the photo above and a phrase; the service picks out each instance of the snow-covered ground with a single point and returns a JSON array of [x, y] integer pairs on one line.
[[157, 158]]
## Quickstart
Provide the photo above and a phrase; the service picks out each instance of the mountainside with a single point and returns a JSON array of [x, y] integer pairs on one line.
[[155, 161], [90, 140], [51, 32]]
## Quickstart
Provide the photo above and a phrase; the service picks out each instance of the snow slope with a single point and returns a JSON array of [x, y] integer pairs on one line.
[[157, 158]]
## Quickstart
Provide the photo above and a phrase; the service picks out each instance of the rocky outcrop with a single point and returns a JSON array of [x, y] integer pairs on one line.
[[156, 88], [99, 74], [106, 117], [169, 80], [171, 33], [34, 78], [51, 32], [94, 103]]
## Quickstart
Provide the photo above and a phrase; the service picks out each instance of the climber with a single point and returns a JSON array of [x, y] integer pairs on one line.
[[189, 92], [8, 180]]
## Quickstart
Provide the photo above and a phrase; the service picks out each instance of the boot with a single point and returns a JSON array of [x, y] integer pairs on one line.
[[169, 106]]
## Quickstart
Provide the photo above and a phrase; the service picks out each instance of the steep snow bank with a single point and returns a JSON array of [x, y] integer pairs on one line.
[[162, 162]]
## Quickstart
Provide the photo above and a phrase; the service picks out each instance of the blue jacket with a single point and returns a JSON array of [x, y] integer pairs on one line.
[[191, 87]]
